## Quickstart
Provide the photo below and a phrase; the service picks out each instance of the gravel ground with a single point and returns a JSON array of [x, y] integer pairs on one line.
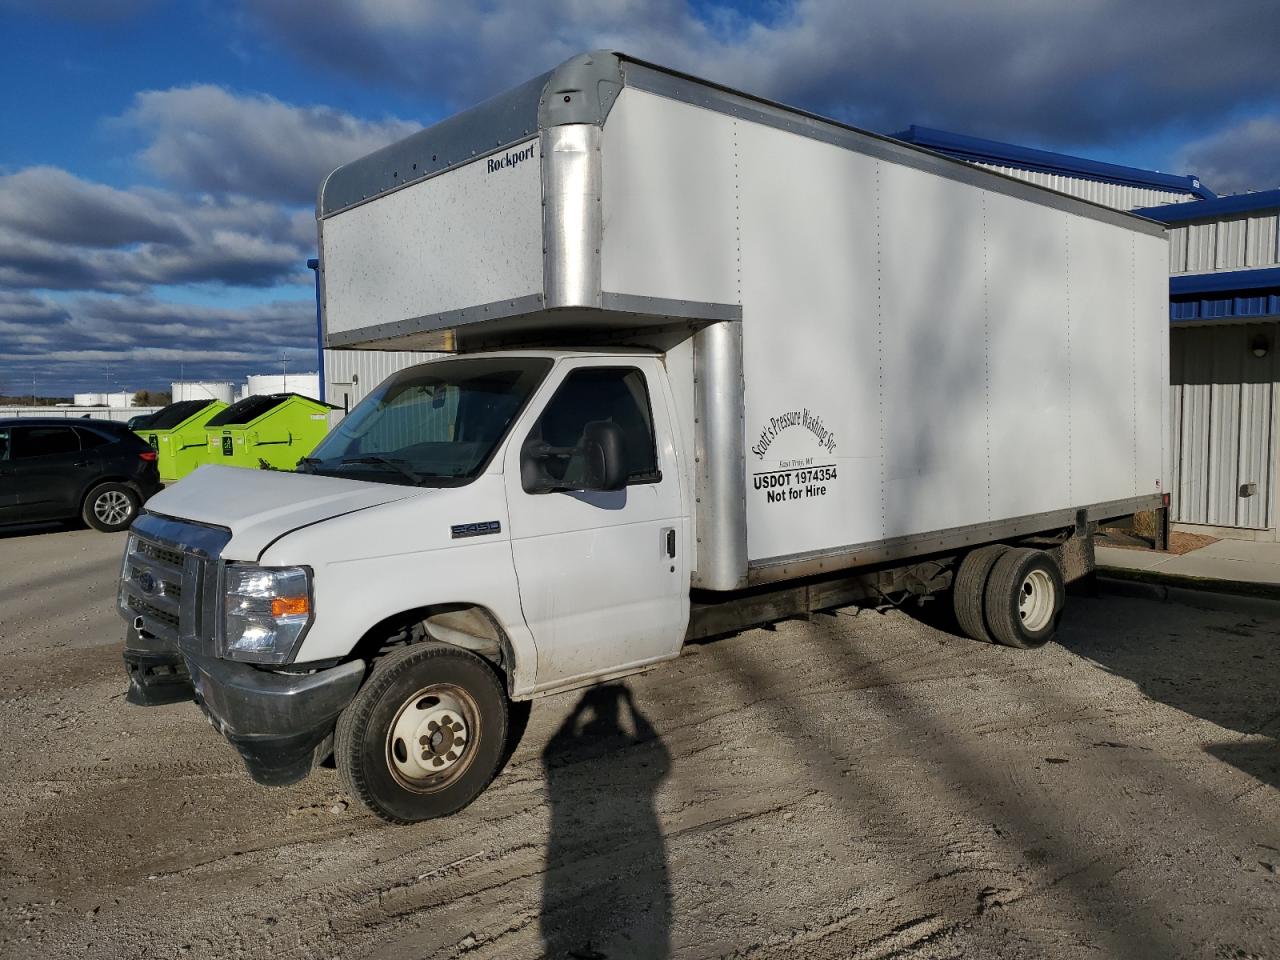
[[860, 785]]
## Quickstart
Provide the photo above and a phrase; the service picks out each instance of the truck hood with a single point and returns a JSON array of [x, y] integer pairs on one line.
[[260, 506]]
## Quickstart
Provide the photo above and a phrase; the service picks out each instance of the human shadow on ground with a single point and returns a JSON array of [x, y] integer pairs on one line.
[[606, 890]]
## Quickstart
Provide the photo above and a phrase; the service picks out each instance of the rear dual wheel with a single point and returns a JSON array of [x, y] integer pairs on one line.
[[1009, 595]]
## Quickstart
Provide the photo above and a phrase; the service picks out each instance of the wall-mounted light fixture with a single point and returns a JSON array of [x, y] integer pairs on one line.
[[1260, 346]]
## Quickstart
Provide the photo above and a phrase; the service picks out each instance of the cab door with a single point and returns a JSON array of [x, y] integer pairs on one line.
[[603, 575]]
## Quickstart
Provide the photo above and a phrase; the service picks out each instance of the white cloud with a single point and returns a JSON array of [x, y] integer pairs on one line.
[[1070, 73], [209, 139], [66, 343], [1240, 157], [58, 231]]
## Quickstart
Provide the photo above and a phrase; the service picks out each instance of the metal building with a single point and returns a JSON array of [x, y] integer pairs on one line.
[[350, 374], [1110, 184], [1224, 313], [1224, 310]]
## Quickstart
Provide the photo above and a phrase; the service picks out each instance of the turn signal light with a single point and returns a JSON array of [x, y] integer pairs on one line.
[[148, 455], [290, 606]]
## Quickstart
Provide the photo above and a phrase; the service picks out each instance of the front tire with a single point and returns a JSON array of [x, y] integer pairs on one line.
[[110, 507], [425, 735], [1024, 597]]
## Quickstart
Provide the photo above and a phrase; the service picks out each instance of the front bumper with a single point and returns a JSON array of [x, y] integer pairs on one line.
[[276, 720], [157, 671]]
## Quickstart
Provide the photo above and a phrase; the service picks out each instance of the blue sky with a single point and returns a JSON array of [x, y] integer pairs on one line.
[[158, 159]]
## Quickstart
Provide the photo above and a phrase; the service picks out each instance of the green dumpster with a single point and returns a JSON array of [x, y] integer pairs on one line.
[[274, 431], [177, 434]]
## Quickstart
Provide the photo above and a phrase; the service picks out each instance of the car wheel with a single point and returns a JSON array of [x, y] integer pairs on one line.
[[425, 734], [110, 507]]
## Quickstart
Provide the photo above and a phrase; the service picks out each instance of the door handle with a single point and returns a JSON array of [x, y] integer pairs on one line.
[[81, 463], [671, 542]]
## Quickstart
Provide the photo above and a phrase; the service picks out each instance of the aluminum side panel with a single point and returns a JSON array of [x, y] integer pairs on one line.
[[1030, 363], [470, 236], [936, 289], [668, 186], [811, 350], [1101, 270], [1152, 437]]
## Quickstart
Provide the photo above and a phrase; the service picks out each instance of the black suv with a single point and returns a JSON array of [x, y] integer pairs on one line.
[[53, 469]]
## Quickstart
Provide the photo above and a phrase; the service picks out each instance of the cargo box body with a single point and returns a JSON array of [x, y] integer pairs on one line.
[[878, 352]]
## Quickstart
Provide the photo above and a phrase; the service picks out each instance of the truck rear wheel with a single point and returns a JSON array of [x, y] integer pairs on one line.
[[1024, 596], [969, 590], [425, 735]]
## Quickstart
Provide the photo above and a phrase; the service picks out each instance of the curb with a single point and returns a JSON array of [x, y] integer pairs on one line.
[[1235, 595]]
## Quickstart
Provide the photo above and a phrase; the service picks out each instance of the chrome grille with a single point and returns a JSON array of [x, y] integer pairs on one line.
[[168, 581], [156, 552]]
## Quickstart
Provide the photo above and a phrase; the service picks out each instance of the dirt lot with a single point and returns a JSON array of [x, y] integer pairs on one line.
[[862, 785]]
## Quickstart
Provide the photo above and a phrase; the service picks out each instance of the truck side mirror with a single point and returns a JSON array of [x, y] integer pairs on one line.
[[603, 451], [600, 456]]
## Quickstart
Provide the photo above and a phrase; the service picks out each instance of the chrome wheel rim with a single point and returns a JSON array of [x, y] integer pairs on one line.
[[1036, 601], [112, 507], [432, 740]]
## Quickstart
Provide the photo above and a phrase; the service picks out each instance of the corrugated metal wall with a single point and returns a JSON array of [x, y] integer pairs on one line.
[[118, 414], [350, 374], [1118, 195], [1232, 243], [1224, 413]]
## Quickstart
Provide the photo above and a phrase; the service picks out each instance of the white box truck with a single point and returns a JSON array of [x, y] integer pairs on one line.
[[714, 362]]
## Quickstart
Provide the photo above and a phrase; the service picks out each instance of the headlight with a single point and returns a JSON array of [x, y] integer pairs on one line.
[[266, 611], [122, 598]]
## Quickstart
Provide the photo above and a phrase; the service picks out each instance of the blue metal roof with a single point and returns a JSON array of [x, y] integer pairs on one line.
[[1045, 161], [1196, 209], [1224, 281], [1263, 306], [1230, 295]]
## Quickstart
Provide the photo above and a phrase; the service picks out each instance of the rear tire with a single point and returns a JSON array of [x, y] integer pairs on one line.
[[1024, 598], [968, 591], [110, 507], [425, 735]]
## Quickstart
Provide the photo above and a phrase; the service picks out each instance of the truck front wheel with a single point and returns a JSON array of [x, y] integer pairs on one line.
[[425, 735]]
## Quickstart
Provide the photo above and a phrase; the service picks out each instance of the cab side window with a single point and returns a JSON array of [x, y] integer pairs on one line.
[[589, 395], [43, 442]]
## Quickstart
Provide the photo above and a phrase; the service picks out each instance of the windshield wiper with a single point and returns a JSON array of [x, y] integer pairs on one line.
[[395, 464], [308, 464]]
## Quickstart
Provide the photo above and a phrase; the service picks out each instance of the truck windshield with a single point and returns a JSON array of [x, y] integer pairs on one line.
[[437, 424]]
